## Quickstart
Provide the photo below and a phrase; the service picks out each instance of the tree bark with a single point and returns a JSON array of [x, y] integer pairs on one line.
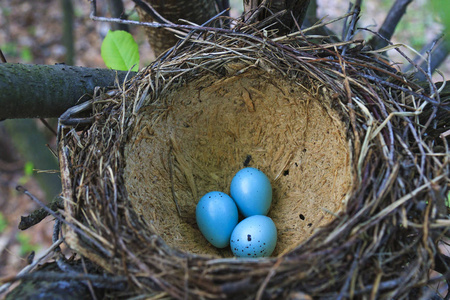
[[198, 11], [286, 23], [118, 11], [40, 91]]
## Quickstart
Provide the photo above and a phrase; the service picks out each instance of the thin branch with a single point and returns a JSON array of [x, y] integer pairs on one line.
[[252, 10], [150, 11], [433, 89], [39, 214], [348, 36], [118, 11], [56, 230], [48, 126], [168, 24], [31, 266], [350, 274], [57, 216], [223, 5], [393, 17], [2, 57], [439, 50], [419, 96]]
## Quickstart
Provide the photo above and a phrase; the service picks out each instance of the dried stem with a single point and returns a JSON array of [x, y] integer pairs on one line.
[[387, 29]]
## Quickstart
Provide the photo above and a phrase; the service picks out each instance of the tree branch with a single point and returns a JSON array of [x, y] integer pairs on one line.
[[68, 32], [171, 11], [41, 91], [394, 16], [39, 214], [295, 12], [118, 11], [223, 5], [438, 50]]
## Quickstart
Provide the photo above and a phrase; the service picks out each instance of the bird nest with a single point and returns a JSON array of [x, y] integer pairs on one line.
[[352, 148]]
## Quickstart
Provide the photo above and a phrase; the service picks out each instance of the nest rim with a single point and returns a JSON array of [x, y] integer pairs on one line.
[[275, 275]]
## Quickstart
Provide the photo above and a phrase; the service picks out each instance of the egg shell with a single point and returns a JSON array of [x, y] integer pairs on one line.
[[255, 236], [217, 216], [251, 190]]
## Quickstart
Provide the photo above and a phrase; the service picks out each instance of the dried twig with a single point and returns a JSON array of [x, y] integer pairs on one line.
[[438, 50], [223, 5], [57, 216], [2, 57], [349, 32], [39, 214], [31, 266], [163, 24], [387, 29]]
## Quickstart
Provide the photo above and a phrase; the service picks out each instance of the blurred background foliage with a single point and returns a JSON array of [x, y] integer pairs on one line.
[[441, 11]]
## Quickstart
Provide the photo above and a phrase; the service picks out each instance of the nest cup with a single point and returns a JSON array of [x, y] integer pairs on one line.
[[336, 143], [196, 137]]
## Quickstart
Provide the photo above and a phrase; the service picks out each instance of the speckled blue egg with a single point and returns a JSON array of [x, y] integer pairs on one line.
[[217, 216], [251, 190], [255, 236]]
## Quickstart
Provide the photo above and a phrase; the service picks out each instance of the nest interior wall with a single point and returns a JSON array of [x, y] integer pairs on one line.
[[195, 138]]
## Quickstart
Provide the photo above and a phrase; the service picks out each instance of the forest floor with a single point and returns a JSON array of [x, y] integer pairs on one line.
[[31, 32]]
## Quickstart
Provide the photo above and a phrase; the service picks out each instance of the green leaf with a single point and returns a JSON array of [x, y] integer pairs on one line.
[[28, 168], [120, 51], [447, 202]]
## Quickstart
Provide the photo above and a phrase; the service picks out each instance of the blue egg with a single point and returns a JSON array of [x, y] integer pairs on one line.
[[216, 215], [255, 236], [250, 189]]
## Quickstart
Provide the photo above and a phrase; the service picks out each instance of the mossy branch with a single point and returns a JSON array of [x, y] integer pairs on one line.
[[44, 91], [39, 214]]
